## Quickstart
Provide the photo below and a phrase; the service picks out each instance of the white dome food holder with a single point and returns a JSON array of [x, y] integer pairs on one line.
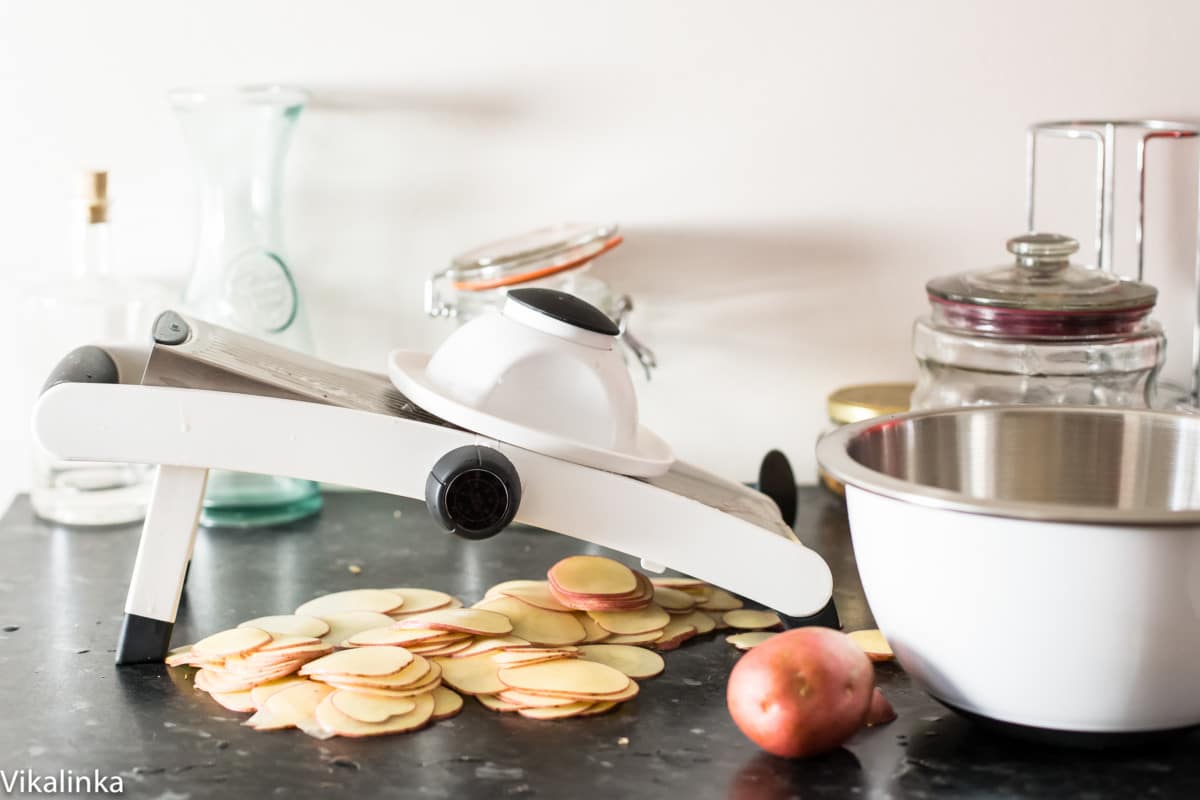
[[203, 397]]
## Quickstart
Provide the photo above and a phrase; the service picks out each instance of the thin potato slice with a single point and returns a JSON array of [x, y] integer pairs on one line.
[[394, 637], [602, 707], [446, 703], [750, 639], [751, 620], [636, 662], [345, 625], [537, 595], [233, 642], [555, 712], [443, 650], [628, 693], [370, 708], [241, 702], [493, 703], [634, 638], [682, 584], [568, 675], [526, 700], [419, 600], [289, 625], [376, 691], [380, 601], [333, 720], [719, 600], [368, 661], [489, 644], [263, 691], [500, 588], [532, 655], [675, 634], [417, 672], [467, 620], [651, 618], [594, 632], [593, 575], [700, 620], [673, 599], [290, 707], [536, 625], [474, 675], [283, 643], [873, 644], [182, 657]]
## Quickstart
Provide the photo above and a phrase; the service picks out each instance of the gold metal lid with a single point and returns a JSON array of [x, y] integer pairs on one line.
[[95, 192], [868, 400]]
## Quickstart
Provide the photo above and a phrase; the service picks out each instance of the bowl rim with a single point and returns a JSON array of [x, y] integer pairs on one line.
[[833, 456]]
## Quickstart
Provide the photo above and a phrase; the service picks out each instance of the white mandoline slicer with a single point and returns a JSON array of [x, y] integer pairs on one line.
[[536, 420]]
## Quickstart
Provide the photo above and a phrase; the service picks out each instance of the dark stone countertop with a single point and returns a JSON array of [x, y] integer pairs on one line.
[[65, 706]]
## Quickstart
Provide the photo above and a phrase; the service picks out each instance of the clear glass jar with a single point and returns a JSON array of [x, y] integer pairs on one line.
[[556, 257], [1041, 331]]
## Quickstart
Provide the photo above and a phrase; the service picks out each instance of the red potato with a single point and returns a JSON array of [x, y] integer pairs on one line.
[[881, 711], [801, 693]]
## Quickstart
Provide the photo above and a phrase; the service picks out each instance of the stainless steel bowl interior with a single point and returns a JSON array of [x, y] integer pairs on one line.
[[1070, 464]]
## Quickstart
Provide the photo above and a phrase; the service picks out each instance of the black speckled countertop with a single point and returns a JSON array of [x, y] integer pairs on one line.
[[65, 706]]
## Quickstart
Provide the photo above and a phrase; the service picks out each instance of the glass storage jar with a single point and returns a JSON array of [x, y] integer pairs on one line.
[[1041, 331], [556, 257]]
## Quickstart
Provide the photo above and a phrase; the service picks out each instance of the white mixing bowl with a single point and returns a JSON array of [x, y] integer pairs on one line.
[[1034, 566]]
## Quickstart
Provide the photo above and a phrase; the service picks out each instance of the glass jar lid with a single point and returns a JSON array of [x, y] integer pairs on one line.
[[531, 256], [1042, 294], [851, 404]]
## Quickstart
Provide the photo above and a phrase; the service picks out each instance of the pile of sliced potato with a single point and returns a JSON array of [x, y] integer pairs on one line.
[[367, 662]]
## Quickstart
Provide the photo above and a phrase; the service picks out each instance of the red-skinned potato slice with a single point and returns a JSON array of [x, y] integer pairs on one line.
[[537, 595], [366, 661], [417, 601], [881, 711], [673, 599], [444, 650], [290, 707], [263, 691], [592, 575], [474, 675], [493, 703], [333, 720], [565, 676], [536, 625], [240, 702], [750, 639], [636, 662], [490, 644], [289, 625], [594, 632], [347, 624], [526, 700], [752, 620], [466, 620], [370, 708], [719, 600], [628, 693], [700, 620], [651, 618], [601, 707], [379, 601], [555, 712], [682, 584], [675, 634], [637, 638], [418, 671], [395, 637], [233, 642], [873, 644], [446, 703]]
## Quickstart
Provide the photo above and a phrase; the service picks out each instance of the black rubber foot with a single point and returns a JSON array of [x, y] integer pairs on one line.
[[1083, 740], [143, 640], [827, 617]]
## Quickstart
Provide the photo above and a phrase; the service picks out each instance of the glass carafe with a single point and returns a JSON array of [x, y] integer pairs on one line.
[[238, 138]]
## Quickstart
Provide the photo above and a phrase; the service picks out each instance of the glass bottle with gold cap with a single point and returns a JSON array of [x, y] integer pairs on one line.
[[92, 304], [851, 404]]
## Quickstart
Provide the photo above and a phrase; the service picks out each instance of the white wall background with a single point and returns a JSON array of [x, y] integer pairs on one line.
[[787, 173]]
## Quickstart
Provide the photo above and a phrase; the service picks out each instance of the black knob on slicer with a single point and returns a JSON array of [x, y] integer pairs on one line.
[[473, 492]]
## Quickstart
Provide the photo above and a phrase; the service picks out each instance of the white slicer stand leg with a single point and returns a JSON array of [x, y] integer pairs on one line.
[[162, 560]]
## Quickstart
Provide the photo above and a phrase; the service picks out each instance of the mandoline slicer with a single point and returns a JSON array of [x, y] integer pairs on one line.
[[203, 397]]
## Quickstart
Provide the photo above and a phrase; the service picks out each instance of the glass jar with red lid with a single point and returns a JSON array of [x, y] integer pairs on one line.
[[1041, 331], [555, 257]]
